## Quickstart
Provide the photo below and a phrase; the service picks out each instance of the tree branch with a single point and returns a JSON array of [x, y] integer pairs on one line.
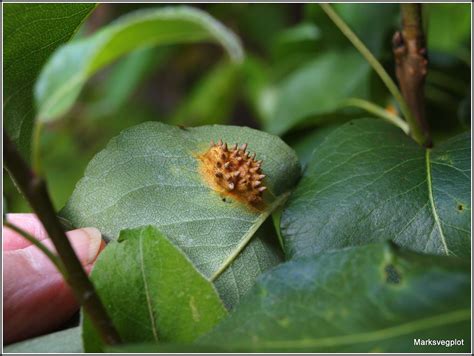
[[411, 64], [35, 191]]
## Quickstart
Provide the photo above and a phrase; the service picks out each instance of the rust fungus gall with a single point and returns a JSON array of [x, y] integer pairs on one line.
[[233, 171]]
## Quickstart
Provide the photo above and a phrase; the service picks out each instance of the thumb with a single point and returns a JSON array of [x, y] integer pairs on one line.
[[86, 242], [36, 299]]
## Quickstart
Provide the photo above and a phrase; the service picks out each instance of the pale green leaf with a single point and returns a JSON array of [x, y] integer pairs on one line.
[[66, 72], [149, 175], [124, 79], [317, 89]]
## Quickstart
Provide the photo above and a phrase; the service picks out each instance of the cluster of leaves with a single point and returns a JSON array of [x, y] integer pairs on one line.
[[369, 243]]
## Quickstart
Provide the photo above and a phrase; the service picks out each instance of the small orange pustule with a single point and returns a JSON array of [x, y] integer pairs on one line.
[[233, 171]]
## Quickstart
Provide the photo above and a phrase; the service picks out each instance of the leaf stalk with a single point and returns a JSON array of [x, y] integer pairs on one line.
[[415, 130], [378, 111]]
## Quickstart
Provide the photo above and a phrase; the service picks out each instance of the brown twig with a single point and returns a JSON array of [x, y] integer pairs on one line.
[[413, 131], [411, 63], [35, 191]]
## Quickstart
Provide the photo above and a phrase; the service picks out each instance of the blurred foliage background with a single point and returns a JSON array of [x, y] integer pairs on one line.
[[298, 68]]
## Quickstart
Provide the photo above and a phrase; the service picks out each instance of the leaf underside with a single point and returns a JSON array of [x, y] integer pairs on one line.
[[149, 176]]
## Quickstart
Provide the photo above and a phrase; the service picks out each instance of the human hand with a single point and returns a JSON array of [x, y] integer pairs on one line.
[[36, 299]]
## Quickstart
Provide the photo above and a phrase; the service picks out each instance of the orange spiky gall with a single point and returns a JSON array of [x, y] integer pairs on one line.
[[233, 171]]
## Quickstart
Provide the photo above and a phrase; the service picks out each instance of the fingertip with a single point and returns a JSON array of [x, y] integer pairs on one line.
[[95, 244], [87, 243], [27, 222]]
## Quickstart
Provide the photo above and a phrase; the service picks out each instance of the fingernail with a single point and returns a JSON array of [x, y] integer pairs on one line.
[[86, 243]]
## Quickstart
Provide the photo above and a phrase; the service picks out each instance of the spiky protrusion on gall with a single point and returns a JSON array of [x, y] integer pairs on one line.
[[234, 171]]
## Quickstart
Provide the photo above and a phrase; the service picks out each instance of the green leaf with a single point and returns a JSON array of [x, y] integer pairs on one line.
[[294, 47], [31, 33], [304, 32], [259, 23], [149, 175], [368, 181], [124, 79], [317, 89], [67, 71], [58, 150], [212, 99], [262, 253], [384, 20], [152, 291], [64, 341], [449, 27], [163, 348], [305, 143], [5, 209], [372, 298], [255, 81]]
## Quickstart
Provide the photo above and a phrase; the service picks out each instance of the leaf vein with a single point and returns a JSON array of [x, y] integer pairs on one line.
[[433, 207]]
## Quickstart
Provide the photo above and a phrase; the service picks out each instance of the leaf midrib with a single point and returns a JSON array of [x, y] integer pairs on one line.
[[248, 236], [387, 333], [147, 291], [432, 203]]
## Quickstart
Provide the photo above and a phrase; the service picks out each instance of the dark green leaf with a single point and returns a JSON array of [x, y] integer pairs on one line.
[[449, 27], [5, 208], [14, 199], [31, 33], [152, 291], [382, 17], [318, 88], [368, 181], [149, 176], [383, 20], [64, 341], [59, 149], [305, 143], [371, 298], [66, 72], [260, 23], [164, 348]]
